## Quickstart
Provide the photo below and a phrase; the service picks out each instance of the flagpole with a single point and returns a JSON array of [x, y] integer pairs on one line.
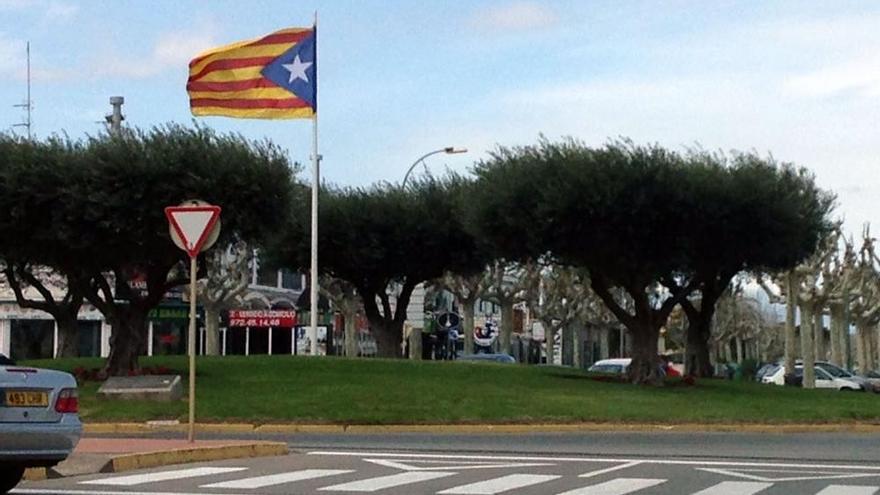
[[316, 178]]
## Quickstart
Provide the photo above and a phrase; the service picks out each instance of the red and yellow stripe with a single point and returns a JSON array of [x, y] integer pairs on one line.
[[227, 81]]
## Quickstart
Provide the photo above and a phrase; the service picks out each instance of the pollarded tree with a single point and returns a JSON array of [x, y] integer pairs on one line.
[[31, 175], [227, 278], [384, 240], [107, 224], [612, 210], [751, 213]]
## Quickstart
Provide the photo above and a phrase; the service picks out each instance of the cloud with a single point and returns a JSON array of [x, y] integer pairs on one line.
[[516, 16], [172, 50], [10, 5], [859, 76], [60, 12]]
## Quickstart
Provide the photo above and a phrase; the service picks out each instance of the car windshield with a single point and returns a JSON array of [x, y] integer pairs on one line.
[[607, 368], [834, 370]]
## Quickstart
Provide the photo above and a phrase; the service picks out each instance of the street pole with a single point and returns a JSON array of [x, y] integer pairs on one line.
[[191, 436], [116, 117]]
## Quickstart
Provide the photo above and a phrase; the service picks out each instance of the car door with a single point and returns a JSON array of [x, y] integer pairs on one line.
[[824, 380]]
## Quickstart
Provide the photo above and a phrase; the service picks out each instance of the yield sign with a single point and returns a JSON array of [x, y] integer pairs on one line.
[[193, 224]]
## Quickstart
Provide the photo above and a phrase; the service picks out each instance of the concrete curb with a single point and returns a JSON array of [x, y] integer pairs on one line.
[[118, 463], [143, 460], [245, 428]]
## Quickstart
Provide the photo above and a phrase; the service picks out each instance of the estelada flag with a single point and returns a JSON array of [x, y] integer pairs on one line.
[[274, 77]]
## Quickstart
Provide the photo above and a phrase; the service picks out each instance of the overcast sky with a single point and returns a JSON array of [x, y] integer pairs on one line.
[[799, 80]]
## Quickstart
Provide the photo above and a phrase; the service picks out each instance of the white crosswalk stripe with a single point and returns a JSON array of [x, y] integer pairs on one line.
[[277, 479], [849, 490], [383, 482], [735, 488], [179, 474], [618, 486], [500, 485]]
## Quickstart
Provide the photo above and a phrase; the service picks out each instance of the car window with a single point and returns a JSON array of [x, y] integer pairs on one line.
[[821, 374], [833, 370]]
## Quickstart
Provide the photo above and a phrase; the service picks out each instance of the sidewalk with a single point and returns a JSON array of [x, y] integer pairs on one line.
[[113, 455]]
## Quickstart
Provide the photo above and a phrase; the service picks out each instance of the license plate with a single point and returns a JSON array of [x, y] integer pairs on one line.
[[26, 398]]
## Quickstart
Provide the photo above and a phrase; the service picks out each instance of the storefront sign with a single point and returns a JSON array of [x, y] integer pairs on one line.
[[262, 318]]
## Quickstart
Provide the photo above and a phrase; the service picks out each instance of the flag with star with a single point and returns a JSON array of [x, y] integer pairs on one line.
[[273, 77]]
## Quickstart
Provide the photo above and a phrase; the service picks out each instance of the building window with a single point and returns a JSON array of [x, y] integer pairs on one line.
[[31, 339], [291, 280], [267, 277]]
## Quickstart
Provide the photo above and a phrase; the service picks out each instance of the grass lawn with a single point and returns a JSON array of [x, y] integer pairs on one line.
[[267, 389]]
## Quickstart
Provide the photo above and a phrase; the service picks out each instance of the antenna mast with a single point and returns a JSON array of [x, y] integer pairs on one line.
[[28, 104]]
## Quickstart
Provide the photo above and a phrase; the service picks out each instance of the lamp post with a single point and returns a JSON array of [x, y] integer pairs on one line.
[[449, 150]]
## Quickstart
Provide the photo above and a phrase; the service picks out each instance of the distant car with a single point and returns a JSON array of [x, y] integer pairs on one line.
[[39, 424], [872, 380], [616, 366], [492, 358], [827, 376]]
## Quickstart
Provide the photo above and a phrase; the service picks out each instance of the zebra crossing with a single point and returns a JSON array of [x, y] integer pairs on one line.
[[416, 482]]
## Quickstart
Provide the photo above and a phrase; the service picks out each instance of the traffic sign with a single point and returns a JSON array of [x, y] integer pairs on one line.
[[193, 226]]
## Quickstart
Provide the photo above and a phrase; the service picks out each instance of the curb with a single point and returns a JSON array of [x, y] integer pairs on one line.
[[144, 460], [244, 428]]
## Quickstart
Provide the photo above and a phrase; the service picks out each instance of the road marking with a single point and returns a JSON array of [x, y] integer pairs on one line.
[[609, 470], [849, 490], [53, 491], [805, 475], [735, 488], [619, 486], [615, 460], [499, 485], [382, 482], [139, 479], [278, 479], [446, 465]]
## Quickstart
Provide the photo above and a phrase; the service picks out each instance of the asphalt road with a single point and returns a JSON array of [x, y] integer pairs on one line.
[[539, 464]]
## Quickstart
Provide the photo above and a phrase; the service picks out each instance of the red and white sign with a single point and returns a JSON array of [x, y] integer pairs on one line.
[[192, 225], [262, 318]]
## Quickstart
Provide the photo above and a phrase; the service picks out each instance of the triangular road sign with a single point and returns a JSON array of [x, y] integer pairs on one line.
[[193, 224]]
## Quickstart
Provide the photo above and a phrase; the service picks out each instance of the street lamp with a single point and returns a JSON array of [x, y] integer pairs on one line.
[[449, 150]]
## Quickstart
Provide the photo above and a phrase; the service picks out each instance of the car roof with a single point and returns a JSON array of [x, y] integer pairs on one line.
[[622, 361]]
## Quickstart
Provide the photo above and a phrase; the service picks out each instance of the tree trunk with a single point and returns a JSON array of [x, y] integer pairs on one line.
[[645, 364], [877, 346], [415, 343], [836, 312], [506, 326], [576, 351], [819, 335], [389, 337], [790, 330], [699, 333], [468, 308], [127, 339], [549, 342], [604, 350], [212, 330], [739, 349], [68, 335], [351, 345], [807, 347]]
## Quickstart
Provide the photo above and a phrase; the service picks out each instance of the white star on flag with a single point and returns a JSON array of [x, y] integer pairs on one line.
[[297, 70]]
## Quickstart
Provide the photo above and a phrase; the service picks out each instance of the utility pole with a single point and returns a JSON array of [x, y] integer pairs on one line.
[[28, 104], [115, 119]]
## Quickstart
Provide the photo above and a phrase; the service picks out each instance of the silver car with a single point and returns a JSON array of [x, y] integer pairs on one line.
[[39, 425]]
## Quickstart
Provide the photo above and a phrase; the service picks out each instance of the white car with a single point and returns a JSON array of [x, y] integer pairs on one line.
[[39, 424], [827, 376], [617, 366]]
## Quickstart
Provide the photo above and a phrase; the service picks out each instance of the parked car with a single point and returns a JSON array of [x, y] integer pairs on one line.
[[616, 366], [39, 424], [872, 380], [491, 358], [827, 376]]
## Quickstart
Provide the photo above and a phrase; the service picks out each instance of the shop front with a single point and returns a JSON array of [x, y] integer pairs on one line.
[[259, 331]]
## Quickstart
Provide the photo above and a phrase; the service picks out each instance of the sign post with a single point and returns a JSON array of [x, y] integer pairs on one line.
[[194, 226]]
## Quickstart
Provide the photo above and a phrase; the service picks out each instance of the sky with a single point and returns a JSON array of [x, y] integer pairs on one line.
[[798, 80]]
